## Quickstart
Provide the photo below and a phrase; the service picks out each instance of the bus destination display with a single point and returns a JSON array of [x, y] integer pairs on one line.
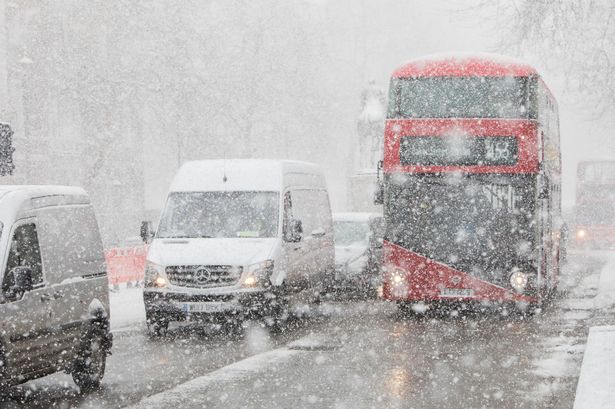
[[458, 151]]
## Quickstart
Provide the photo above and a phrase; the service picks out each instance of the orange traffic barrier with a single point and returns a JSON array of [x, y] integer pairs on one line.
[[125, 264]]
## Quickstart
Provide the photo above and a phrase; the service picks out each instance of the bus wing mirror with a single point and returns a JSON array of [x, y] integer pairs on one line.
[[379, 194], [378, 243]]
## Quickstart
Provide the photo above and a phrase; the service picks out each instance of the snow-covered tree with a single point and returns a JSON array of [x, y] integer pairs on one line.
[[575, 37]]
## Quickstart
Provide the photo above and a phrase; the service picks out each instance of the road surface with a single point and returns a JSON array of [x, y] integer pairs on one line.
[[348, 354]]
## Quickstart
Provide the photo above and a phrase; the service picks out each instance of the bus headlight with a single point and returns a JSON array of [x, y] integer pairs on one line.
[[398, 282], [518, 281], [398, 278], [581, 233]]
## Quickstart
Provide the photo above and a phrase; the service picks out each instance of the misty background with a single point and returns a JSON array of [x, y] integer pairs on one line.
[[115, 95]]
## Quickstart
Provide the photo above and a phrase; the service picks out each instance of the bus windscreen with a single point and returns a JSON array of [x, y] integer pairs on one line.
[[480, 224], [459, 97], [458, 150]]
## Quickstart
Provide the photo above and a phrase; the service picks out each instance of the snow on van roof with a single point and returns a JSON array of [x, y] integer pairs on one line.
[[13, 198], [462, 63], [239, 174], [42, 190], [354, 216]]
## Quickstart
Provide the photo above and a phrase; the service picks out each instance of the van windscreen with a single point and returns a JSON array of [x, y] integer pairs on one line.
[[220, 215]]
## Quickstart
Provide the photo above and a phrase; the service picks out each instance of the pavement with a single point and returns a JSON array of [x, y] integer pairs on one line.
[[127, 309], [595, 386], [604, 302]]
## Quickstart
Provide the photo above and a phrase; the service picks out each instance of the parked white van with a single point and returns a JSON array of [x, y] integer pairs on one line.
[[236, 239], [54, 303]]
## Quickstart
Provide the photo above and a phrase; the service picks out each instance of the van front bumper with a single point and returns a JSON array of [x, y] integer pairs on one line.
[[177, 305]]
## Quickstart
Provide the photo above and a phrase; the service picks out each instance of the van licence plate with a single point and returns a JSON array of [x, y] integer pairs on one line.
[[205, 307], [457, 292]]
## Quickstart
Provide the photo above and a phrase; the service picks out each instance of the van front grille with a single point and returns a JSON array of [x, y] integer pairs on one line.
[[203, 276]]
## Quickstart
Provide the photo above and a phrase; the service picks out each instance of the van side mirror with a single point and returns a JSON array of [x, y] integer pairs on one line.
[[294, 232], [147, 231], [20, 279]]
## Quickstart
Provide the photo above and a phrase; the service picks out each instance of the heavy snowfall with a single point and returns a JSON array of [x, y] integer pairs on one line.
[[307, 204]]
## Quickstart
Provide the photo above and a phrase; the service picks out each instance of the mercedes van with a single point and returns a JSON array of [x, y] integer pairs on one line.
[[54, 301], [236, 239]]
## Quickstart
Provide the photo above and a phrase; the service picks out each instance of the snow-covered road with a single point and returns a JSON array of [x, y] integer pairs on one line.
[[127, 309], [346, 355]]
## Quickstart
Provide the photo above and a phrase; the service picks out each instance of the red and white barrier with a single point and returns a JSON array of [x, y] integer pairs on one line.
[[125, 264]]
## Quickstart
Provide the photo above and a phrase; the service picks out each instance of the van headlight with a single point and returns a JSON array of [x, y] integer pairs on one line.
[[581, 234], [160, 282], [519, 281], [155, 275], [258, 274]]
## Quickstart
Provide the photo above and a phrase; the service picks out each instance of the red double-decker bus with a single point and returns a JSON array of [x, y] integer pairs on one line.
[[471, 183], [595, 205]]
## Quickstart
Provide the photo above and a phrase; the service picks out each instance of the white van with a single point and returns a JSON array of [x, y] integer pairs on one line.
[[54, 303], [236, 238]]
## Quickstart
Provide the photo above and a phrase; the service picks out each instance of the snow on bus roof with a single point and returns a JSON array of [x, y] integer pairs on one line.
[[461, 64]]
